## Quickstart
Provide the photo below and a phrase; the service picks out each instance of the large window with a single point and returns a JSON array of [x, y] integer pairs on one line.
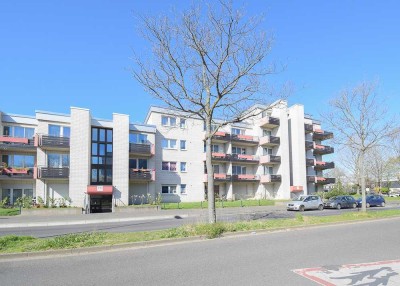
[[267, 151], [57, 160], [238, 150], [169, 189], [59, 131], [135, 163], [168, 121], [102, 156], [268, 170], [238, 170], [18, 131], [138, 138], [169, 166], [19, 161], [237, 131]]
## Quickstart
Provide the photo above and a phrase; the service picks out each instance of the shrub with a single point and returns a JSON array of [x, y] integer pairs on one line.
[[334, 193]]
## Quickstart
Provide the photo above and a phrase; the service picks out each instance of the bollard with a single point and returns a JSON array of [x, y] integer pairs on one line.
[[201, 204], [241, 203], [259, 203], [178, 206], [20, 209]]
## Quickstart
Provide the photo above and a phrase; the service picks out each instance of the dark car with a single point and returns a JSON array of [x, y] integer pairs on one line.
[[373, 200], [339, 202]]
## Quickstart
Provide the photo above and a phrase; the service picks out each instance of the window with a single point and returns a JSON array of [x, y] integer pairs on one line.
[[168, 166], [19, 132], [168, 143], [214, 148], [168, 121], [183, 144], [267, 151], [216, 169], [237, 131], [57, 160], [168, 189], [19, 161], [267, 133], [183, 166], [183, 188], [238, 150], [182, 123], [138, 163], [238, 170], [59, 131], [102, 156], [268, 170], [138, 138]]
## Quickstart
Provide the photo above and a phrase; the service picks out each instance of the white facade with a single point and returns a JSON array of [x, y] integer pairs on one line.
[[99, 164]]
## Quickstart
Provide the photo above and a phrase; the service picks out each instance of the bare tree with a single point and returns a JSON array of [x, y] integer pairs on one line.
[[377, 164], [361, 123], [208, 63]]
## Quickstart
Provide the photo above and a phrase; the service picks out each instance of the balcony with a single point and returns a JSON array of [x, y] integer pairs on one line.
[[269, 122], [48, 142], [296, 189], [12, 173], [219, 177], [247, 140], [322, 135], [245, 178], [270, 159], [245, 158], [265, 179], [308, 128], [309, 145], [221, 137], [142, 175], [320, 180], [323, 150], [17, 144], [138, 149], [319, 165], [221, 157], [270, 141], [52, 173]]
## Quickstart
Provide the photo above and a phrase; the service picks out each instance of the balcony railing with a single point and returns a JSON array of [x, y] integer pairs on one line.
[[322, 135], [142, 149], [309, 145], [245, 178], [322, 149], [308, 128], [219, 177], [320, 180], [142, 175], [244, 158], [15, 173], [219, 156], [269, 122], [16, 143], [253, 140], [52, 173], [324, 165], [270, 159], [270, 178], [270, 140], [47, 141]]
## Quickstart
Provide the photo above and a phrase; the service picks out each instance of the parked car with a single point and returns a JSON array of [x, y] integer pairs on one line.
[[305, 202], [394, 194], [339, 202], [373, 200]]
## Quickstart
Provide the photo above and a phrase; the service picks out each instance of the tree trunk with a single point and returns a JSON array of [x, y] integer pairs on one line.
[[363, 197], [212, 216]]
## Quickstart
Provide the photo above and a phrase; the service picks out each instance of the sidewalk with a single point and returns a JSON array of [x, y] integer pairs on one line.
[[196, 215]]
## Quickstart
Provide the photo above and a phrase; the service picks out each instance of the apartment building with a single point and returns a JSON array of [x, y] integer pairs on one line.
[[99, 164]]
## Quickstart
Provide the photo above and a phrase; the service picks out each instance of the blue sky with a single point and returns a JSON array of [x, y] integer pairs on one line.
[[55, 54]]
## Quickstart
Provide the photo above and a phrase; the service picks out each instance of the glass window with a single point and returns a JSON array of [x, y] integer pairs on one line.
[[109, 149], [29, 132], [168, 166], [19, 132], [17, 193], [29, 161], [142, 163], [168, 189], [54, 130], [267, 151], [6, 159], [109, 135], [109, 160], [238, 170], [28, 193], [7, 131], [164, 120], [173, 144], [164, 143], [18, 161], [183, 144], [183, 166], [215, 148], [53, 160], [94, 175], [133, 163], [102, 149], [66, 131], [165, 166], [182, 123], [102, 135], [216, 169], [95, 160], [102, 175], [172, 121], [94, 134], [94, 149], [183, 188], [165, 189], [109, 175], [65, 160], [237, 131], [143, 138], [266, 133]]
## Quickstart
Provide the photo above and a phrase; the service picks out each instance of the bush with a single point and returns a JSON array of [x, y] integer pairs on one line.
[[334, 193]]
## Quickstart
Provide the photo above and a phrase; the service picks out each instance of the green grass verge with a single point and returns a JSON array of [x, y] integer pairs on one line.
[[218, 204], [14, 244], [9, 212]]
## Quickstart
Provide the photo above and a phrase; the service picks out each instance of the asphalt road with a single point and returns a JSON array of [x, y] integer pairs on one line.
[[254, 259], [148, 225]]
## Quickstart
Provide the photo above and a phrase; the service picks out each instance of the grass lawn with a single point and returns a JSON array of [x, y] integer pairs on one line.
[[219, 204], [9, 212], [13, 243]]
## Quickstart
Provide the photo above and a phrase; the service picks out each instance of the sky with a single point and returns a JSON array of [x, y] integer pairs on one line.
[[57, 53]]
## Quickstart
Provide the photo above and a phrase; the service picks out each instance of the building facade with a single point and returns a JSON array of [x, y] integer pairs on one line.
[[99, 164]]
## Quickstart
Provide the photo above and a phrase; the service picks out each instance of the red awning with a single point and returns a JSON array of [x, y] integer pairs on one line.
[[99, 190]]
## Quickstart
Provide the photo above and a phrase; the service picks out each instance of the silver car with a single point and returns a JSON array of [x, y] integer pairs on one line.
[[306, 203]]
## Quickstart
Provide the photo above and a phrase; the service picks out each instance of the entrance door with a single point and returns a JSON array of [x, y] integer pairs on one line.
[[100, 204]]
